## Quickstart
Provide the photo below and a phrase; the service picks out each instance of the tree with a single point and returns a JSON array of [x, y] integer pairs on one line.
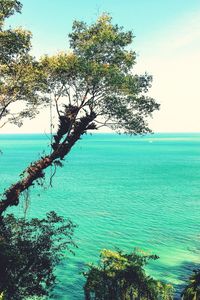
[[192, 290], [20, 76], [29, 252], [121, 276], [8, 8], [91, 86]]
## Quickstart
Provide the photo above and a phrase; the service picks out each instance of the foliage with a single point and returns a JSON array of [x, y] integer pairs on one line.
[[97, 76], [122, 276], [90, 87], [20, 75], [192, 290], [29, 253], [8, 8]]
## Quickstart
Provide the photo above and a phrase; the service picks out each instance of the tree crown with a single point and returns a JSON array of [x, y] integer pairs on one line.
[[97, 76]]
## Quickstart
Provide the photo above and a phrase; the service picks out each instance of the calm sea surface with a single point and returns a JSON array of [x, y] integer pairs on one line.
[[122, 192]]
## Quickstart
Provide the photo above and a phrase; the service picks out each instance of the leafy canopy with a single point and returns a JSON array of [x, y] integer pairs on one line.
[[96, 76], [8, 8], [29, 252], [20, 75], [192, 290], [121, 276]]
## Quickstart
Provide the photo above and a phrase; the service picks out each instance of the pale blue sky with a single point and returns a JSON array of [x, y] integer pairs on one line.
[[167, 42], [50, 20]]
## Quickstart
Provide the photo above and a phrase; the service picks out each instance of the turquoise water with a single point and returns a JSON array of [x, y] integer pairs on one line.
[[122, 192]]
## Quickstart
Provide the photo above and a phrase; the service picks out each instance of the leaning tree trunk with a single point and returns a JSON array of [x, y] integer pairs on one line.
[[70, 135]]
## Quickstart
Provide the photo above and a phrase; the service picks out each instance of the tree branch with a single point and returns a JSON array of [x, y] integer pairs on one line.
[[36, 170]]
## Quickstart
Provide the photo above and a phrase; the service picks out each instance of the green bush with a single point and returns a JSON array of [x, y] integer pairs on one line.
[[121, 276], [192, 290], [29, 253]]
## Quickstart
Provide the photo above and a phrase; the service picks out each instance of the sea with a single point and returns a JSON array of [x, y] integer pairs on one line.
[[123, 192]]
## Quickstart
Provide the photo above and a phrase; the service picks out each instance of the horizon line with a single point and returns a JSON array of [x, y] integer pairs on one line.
[[95, 132]]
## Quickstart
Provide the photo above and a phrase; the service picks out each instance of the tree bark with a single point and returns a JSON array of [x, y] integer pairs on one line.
[[36, 169]]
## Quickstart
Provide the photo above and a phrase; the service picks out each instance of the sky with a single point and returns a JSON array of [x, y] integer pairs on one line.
[[167, 43]]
